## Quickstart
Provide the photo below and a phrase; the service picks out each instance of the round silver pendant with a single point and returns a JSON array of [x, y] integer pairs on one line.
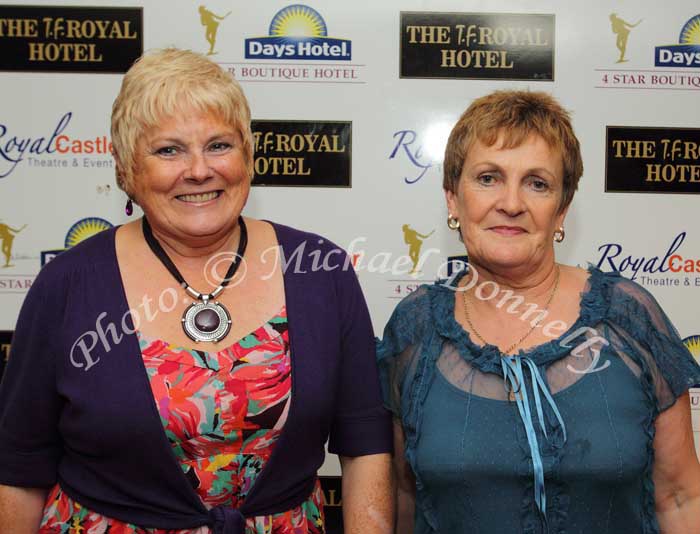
[[206, 321]]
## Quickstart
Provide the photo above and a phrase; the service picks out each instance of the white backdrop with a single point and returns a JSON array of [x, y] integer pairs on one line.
[[50, 199]]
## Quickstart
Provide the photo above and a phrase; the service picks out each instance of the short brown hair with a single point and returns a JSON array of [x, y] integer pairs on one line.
[[516, 115], [163, 83]]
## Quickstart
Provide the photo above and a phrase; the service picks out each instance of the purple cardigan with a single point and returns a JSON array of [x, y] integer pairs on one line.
[[76, 405]]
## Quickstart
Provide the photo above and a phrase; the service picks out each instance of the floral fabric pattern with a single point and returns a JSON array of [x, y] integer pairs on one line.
[[222, 413]]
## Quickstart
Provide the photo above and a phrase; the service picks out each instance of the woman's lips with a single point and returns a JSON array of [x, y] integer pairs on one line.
[[508, 230], [199, 198]]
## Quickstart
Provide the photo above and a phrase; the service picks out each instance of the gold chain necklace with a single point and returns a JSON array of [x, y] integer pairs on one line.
[[523, 338]]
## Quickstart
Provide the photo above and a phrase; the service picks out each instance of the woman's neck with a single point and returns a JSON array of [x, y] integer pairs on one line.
[[192, 252], [534, 283]]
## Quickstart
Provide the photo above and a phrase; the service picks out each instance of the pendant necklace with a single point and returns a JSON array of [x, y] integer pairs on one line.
[[512, 394], [205, 319]]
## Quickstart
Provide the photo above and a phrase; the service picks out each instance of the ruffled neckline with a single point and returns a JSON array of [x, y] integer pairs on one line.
[[594, 306]]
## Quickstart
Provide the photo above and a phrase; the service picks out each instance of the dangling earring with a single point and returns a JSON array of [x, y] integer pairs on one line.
[[452, 222], [559, 235], [129, 209]]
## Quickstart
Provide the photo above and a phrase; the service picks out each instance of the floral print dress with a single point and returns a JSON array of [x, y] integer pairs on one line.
[[222, 413]]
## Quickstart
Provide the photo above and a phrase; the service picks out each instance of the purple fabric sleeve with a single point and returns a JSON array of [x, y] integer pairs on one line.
[[361, 424], [30, 445]]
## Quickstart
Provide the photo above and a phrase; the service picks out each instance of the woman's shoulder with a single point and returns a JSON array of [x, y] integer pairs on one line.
[[87, 254], [416, 312], [310, 252], [623, 300], [288, 235]]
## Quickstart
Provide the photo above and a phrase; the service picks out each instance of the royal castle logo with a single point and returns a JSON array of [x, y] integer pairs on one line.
[[684, 54], [298, 32]]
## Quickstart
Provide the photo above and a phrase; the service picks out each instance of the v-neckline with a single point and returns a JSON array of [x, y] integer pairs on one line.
[[153, 410]]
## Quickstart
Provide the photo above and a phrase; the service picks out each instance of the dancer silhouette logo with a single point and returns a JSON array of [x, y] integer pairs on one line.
[[7, 238], [621, 29], [414, 240], [298, 32], [210, 21]]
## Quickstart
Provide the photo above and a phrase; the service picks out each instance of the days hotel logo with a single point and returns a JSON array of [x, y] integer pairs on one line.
[[684, 54], [79, 232], [692, 343], [298, 32]]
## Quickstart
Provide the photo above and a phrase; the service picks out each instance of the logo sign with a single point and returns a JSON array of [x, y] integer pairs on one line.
[[5, 341], [80, 231], [652, 160], [10, 259], [332, 504], [420, 153], [303, 153], [50, 146], [686, 53], [477, 45], [666, 266], [621, 28], [298, 32], [692, 343], [456, 264], [70, 39]]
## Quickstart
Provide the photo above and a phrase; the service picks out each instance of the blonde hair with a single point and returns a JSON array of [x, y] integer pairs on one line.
[[516, 115], [163, 83]]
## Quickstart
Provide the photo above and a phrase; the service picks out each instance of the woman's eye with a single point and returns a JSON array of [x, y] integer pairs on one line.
[[539, 185], [486, 179], [167, 151], [219, 146]]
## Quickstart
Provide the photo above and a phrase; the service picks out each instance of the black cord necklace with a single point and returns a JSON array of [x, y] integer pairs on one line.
[[207, 320]]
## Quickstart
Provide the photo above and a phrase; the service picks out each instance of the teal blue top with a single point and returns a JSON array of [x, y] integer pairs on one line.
[[571, 452]]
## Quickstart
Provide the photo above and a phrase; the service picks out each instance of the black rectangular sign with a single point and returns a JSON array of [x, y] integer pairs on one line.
[[506, 46], [303, 153], [5, 341], [332, 504], [652, 160], [70, 39]]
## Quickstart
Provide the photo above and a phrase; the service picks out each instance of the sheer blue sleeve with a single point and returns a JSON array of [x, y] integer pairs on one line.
[[399, 350], [656, 346]]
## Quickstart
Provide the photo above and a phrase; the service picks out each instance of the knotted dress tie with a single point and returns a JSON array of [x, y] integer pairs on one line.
[[226, 520]]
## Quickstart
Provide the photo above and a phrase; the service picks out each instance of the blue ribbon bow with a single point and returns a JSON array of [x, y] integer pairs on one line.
[[515, 382]]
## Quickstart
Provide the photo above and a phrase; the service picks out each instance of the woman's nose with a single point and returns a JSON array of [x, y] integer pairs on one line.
[[511, 202], [199, 167]]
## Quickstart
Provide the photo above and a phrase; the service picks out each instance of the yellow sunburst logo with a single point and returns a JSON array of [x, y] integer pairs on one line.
[[690, 34], [298, 21], [693, 345], [85, 228]]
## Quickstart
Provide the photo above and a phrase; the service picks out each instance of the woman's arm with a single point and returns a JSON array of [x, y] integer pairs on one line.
[[405, 485], [21, 509], [368, 504], [676, 471]]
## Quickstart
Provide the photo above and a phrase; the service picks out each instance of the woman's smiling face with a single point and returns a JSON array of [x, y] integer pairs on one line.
[[190, 178]]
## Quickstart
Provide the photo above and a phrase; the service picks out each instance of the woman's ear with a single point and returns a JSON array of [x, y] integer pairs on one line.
[[451, 200]]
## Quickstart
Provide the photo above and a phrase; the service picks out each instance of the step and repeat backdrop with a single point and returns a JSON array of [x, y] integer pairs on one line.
[[352, 105]]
